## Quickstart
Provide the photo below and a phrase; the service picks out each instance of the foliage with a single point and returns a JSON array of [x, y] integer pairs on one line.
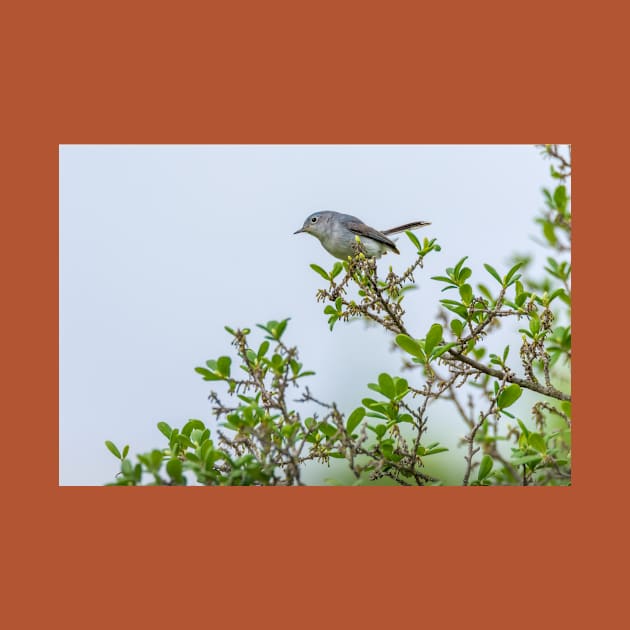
[[261, 439]]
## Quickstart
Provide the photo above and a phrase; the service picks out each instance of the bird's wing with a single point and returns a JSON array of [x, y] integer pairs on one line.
[[414, 225], [361, 229]]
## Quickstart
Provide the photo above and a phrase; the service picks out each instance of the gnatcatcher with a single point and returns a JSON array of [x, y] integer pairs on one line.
[[338, 234]]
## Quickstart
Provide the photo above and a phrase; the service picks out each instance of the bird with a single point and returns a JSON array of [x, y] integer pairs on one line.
[[338, 232]]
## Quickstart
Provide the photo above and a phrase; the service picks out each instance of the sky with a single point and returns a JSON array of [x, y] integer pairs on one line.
[[161, 246]]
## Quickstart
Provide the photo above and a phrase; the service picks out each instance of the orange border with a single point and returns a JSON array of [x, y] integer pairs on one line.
[[318, 73]]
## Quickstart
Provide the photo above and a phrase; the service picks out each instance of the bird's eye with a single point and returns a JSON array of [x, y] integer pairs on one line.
[[313, 219]]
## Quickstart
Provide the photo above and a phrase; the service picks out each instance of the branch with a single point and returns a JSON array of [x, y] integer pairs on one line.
[[535, 387]]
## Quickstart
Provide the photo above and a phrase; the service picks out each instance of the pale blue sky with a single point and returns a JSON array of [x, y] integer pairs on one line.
[[161, 246]]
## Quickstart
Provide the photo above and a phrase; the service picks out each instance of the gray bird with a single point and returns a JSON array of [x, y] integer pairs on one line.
[[337, 233]]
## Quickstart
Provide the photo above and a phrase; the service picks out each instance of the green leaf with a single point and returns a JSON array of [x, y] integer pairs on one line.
[[387, 448], [277, 363], [380, 430], [435, 450], [565, 298], [483, 289], [558, 293], [336, 270], [493, 272], [509, 396], [184, 441], [550, 232], [527, 459], [466, 293], [438, 352], [279, 329], [113, 449], [520, 298], [165, 429], [402, 387], [206, 452], [192, 424], [375, 387], [327, 429], [434, 336], [262, 350], [126, 468], [355, 419], [195, 437], [414, 239], [174, 469], [380, 407], [458, 266], [560, 197], [512, 271], [155, 459], [223, 365], [485, 467], [289, 429], [443, 279], [455, 307], [457, 326], [537, 442], [320, 271], [266, 328], [207, 374], [125, 451], [386, 383], [411, 346]]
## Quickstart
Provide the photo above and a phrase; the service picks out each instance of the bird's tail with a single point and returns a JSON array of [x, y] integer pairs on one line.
[[407, 226]]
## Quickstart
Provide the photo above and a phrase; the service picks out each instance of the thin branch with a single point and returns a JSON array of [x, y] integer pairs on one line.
[[551, 391]]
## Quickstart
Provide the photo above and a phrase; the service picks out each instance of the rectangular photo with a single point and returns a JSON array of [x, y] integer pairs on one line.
[[295, 315]]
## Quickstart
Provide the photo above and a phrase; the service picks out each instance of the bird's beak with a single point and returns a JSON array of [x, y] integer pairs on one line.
[[300, 230]]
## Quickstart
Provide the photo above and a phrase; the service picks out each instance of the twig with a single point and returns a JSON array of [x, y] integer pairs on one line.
[[535, 387]]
